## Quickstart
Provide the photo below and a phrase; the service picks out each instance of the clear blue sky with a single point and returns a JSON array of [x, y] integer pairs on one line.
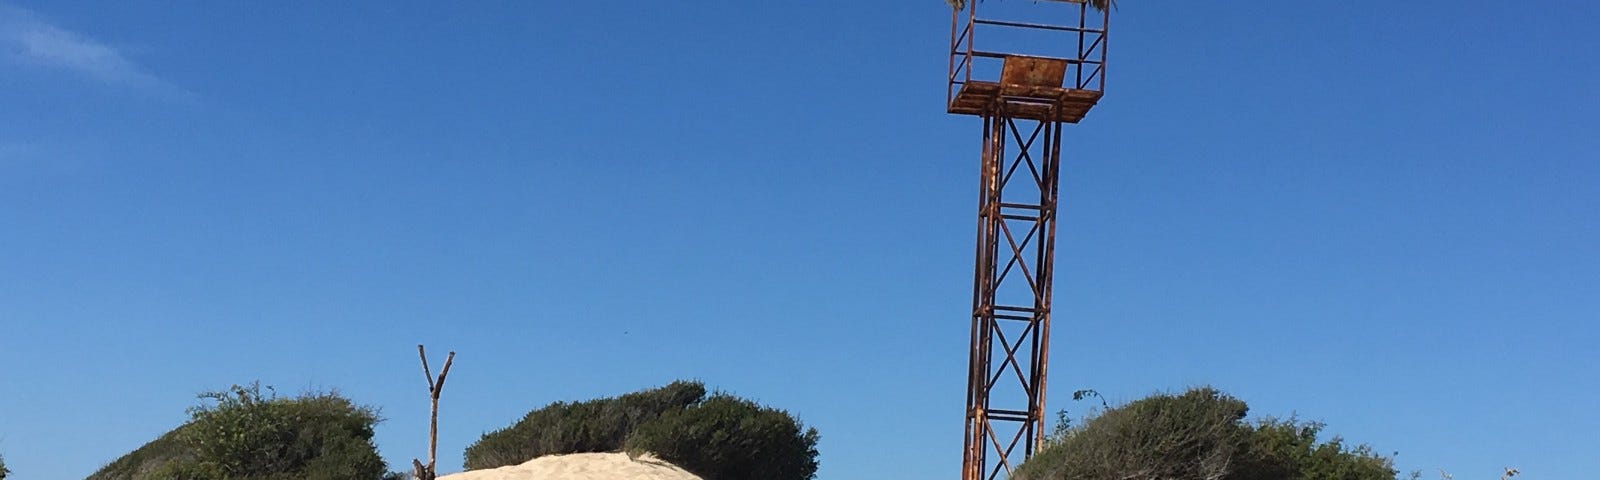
[[1382, 215]]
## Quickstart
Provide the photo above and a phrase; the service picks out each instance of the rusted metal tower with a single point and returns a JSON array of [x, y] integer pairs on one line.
[[1042, 67]]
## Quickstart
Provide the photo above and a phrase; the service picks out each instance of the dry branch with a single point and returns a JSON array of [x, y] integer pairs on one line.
[[435, 386]]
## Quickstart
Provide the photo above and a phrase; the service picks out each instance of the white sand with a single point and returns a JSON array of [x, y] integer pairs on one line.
[[582, 466]]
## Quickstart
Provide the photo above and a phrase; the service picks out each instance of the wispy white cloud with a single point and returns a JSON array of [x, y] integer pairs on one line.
[[29, 39]]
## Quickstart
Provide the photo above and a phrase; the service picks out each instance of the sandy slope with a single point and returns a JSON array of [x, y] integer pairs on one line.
[[582, 466]]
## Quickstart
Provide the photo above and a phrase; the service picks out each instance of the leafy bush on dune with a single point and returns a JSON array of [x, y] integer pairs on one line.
[[144, 461], [248, 435], [731, 438], [1198, 435], [600, 425], [1290, 446], [717, 438]]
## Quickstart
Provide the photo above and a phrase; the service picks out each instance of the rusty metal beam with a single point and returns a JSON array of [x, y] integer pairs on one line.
[[1011, 293]]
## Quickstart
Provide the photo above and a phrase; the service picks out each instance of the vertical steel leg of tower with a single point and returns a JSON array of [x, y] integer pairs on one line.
[[1011, 293]]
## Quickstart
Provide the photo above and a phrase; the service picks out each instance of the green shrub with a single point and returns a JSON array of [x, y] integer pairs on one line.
[[1200, 434], [726, 438], [248, 435], [718, 438], [146, 461], [599, 425], [1289, 449]]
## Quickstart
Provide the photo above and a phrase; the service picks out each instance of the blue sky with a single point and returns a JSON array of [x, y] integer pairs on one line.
[[1377, 215]]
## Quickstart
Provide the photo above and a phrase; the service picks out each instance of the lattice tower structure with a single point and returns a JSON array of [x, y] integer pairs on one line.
[[1027, 83]]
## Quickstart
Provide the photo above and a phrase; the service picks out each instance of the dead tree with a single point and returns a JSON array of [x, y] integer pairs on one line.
[[418, 470]]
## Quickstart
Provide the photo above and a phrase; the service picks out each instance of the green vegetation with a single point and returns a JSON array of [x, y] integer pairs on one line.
[[721, 437], [725, 437], [599, 425], [249, 435], [3, 470], [144, 461], [1290, 446], [1200, 434]]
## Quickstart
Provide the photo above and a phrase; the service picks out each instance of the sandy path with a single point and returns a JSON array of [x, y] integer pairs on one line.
[[582, 466]]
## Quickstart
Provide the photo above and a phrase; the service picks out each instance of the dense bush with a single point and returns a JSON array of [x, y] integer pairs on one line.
[[599, 425], [1289, 449], [143, 462], [1198, 435], [718, 438], [248, 435], [730, 438]]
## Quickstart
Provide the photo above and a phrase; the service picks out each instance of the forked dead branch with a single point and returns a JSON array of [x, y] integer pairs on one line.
[[435, 386]]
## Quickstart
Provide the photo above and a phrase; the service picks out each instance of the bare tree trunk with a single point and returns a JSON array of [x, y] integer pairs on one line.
[[435, 386]]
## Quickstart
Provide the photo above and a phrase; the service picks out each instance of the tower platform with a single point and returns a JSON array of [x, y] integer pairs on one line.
[[1031, 88], [1070, 105]]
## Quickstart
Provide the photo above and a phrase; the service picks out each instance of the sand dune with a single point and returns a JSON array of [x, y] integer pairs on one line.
[[582, 466]]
